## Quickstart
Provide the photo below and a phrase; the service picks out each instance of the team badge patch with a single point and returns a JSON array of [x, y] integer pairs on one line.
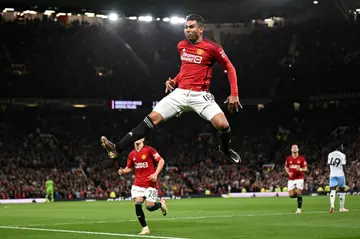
[[143, 157], [200, 51]]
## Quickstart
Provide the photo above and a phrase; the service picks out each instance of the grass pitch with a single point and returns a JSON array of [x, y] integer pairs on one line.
[[218, 218]]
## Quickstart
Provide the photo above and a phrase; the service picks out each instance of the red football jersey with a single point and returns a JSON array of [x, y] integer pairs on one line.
[[197, 63], [291, 163], [144, 164]]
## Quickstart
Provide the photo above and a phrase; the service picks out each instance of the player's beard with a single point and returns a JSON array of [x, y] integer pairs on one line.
[[192, 37]]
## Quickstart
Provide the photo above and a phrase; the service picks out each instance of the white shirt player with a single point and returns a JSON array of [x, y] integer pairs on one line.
[[336, 160]]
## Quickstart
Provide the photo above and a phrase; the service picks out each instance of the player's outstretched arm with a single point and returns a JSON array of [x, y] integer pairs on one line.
[[124, 170], [233, 100]]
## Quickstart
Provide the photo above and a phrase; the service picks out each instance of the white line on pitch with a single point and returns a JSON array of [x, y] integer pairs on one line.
[[85, 232], [176, 218]]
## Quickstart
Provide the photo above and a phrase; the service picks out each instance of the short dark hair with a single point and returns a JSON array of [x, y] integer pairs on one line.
[[194, 17]]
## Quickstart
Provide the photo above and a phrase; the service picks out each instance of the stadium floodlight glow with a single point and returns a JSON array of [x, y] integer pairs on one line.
[[60, 14], [30, 12], [69, 14], [166, 19], [315, 2], [79, 106], [132, 18], [89, 14], [145, 18], [158, 19], [9, 9], [177, 20], [113, 16], [102, 16], [49, 12]]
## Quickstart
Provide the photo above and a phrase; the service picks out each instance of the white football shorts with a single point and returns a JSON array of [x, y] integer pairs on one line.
[[150, 194], [180, 101], [297, 183]]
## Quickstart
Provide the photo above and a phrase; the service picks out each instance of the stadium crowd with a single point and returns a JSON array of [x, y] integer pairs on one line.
[[287, 64], [66, 148]]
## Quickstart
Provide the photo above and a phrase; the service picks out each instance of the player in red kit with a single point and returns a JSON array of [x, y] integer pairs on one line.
[[145, 187], [295, 166], [198, 56]]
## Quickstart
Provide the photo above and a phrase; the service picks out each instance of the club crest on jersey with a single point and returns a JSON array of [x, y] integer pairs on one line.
[[290, 161], [200, 51], [298, 161], [143, 157]]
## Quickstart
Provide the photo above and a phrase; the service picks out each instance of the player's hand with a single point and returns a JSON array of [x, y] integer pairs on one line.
[[233, 102], [153, 177], [169, 85], [121, 171]]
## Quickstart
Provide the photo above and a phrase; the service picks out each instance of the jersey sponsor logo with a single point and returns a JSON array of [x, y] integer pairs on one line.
[[191, 58], [200, 51], [293, 166], [143, 157], [141, 165]]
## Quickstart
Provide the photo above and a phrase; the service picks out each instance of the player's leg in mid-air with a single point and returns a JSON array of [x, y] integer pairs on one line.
[[151, 204], [295, 188], [337, 182], [139, 194], [170, 106], [205, 105]]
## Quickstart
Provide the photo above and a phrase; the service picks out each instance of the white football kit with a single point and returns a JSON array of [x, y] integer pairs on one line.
[[336, 161]]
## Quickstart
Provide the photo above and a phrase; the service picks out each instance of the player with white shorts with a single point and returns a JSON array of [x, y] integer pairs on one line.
[[337, 164], [142, 160], [295, 166], [198, 56]]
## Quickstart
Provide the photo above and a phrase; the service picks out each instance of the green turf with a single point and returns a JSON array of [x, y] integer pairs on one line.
[[189, 218]]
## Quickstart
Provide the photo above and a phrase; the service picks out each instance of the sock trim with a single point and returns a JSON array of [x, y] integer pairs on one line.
[[224, 131], [148, 122]]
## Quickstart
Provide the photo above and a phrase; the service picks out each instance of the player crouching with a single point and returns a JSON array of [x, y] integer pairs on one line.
[[295, 166], [142, 159]]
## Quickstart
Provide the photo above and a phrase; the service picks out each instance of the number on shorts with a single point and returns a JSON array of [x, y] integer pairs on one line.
[[335, 162], [152, 193], [208, 97]]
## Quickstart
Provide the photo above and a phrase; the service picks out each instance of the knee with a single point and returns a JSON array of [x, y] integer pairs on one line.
[[149, 205], [155, 117], [292, 194], [220, 122]]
